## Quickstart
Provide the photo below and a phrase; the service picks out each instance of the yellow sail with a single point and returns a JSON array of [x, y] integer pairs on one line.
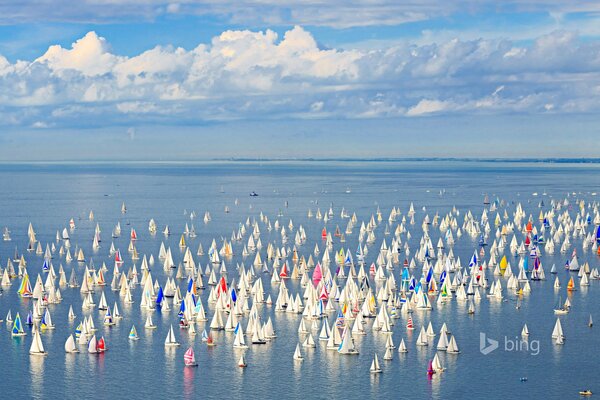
[[503, 264]]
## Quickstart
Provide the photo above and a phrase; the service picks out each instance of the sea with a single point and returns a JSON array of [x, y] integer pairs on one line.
[[48, 195]]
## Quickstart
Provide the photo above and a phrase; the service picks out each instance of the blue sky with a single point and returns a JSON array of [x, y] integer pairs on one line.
[[195, 79]]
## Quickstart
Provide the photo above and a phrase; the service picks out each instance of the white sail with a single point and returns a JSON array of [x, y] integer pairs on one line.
[[298, 354], [375, 367], [37, 348], [452, 346], [170, 339], [70, 346]]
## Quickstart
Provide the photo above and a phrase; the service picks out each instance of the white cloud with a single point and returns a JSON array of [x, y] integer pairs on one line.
[[88, 55], [426, 106], [173, 8], [259, 75], [335, 13]]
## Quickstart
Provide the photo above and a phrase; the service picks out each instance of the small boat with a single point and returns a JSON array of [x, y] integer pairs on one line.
[[562, 308], [590, 323], [389, 355], [170, 339], [242, 361], [375, 368], [37, 348], [409, 324], [452, 346], [17, 329], [430, 370], [298, 354], [133, 335], [189, 359], [585, 392], [70, 346], [253, 194], [101, 345], [93, 345], [402, 347], [210, 342], [149, 324]]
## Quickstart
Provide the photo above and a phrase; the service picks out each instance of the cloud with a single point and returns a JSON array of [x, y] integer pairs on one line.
[[334, 13], [244, 75], [88, 55], [426, 106]]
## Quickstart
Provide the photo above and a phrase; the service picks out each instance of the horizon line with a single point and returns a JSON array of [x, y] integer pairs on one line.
[[548, 160]]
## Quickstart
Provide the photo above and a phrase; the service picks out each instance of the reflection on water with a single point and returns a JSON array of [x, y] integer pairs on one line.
[[36, 370], [189, 374]]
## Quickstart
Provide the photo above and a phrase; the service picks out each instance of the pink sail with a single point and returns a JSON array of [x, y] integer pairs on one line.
[[189, 358], [317, 274], [324, 295]]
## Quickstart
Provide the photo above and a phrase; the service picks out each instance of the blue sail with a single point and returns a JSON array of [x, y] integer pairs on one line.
[[190, 285], [473, 261], [417, 287], [181, 309], [443, 277], [412, 284], [159, 296], [17, 328], [405, 274], [598, 235], [429, 275]]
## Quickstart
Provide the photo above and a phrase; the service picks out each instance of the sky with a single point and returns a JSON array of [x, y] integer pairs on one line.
[[203, 79]]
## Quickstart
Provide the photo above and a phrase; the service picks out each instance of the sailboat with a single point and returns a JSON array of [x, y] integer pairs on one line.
[[37, 348], [108, 319], [437, 364], [402, 347], [452, 346], [389, 355], [101, 345], [242, 361], [133, 335], [149, 324], [70, 346], [170, 339], [298, 354], [525, 331], [239, 341], [189, 359], [375, 368], [557, 332], [430, 370], [92, 345], [72, 315], [562, 308], [17, 329], [590, 323], [409, 324], [347, 345]]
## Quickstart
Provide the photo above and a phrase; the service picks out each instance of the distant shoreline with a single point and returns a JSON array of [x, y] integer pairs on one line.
[[309, 159]]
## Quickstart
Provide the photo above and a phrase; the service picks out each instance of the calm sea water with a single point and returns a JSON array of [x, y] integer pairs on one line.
[[49, 195]]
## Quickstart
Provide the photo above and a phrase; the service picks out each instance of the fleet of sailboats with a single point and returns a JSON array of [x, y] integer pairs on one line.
[[335, 293]]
